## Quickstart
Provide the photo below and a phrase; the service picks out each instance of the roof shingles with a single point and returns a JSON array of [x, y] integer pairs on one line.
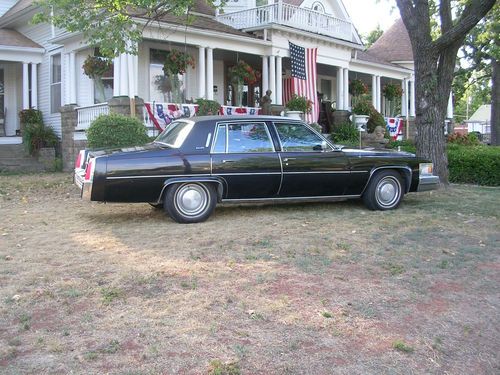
[[393, 45]]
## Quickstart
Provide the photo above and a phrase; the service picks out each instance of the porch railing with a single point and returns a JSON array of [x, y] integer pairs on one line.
[[289, 15], [86, 115]]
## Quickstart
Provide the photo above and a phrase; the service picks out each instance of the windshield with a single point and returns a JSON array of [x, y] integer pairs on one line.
[[175, 134]]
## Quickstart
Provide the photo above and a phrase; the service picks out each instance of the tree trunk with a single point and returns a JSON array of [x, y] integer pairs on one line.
[[432, 86], [495, 112]]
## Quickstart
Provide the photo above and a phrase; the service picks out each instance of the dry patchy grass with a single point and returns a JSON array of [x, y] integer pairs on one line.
[[288, 289]]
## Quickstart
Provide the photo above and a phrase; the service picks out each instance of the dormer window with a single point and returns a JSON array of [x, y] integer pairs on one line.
[[318, 7]]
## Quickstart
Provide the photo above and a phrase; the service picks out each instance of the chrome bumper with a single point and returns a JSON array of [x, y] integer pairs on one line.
[[427, 183], [79, 177], [87, 191]]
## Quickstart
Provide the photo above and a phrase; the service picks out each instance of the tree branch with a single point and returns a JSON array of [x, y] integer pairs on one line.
[[471, 15], [445, 15]]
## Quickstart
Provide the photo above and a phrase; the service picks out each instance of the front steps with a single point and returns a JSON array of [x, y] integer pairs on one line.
[[13, 158]]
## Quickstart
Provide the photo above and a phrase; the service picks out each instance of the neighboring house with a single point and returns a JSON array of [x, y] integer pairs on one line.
[[41, 66], [480, 121]]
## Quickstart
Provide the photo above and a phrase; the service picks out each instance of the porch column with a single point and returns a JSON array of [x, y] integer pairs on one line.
[[279, 80], [124, 86], [210, 73], [374, 91], [265, 75], [34, 86], [379, 95], [412, 98], [272, 78], [26, 88], [340, 88], [132, 61], [116, 75], [449, 110], [72, 78], [346, 89], [201, 72], [404, 98]]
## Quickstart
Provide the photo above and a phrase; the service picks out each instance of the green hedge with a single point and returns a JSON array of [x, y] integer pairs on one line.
[[474, 164], [114, 130]]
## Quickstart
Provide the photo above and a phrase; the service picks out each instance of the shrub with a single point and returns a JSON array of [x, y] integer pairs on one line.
[[346, 133], [470, 139], [116, 131], [474, 164], [31, 116], [405, 145], [207, 107], [362, 107], [37, 135], [376, 119]]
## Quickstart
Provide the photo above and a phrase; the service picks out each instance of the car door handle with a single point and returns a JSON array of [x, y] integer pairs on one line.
[[227, 161], [287, 159]]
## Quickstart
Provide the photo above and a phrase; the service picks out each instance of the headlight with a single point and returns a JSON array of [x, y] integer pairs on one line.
[[425, 169]]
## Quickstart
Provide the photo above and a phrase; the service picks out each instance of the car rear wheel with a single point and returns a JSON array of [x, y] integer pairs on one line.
[[190, 202], [384, 192]]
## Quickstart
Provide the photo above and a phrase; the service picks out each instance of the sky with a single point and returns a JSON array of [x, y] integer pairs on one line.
[[367, 14]]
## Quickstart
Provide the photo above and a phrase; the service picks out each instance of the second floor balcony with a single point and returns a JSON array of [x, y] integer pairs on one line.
[[289, 15]]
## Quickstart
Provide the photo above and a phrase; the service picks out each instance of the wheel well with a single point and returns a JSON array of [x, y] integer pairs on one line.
[[170, 182]]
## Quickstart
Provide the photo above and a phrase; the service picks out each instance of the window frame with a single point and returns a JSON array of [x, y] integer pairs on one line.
[[226, 146], [53, 84], [323, 139]]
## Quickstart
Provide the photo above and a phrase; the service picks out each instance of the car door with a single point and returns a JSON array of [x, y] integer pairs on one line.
[[243, 155], [309, 168]]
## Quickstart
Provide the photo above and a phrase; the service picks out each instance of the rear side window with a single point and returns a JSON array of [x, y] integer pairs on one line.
[[243, 138]]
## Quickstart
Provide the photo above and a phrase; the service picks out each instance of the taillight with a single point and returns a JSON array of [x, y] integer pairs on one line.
[[78, 161], [89, 171]]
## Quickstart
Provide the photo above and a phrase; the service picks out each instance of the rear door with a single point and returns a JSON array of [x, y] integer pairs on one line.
[[243, 155], [310, 170]]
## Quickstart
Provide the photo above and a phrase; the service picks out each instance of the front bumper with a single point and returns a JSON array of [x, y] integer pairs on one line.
[[426, 183]]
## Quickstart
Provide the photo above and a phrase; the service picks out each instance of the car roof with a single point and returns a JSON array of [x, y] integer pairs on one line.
[[196, 119]]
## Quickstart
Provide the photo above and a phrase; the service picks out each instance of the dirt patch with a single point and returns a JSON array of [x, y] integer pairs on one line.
[[274, 289]]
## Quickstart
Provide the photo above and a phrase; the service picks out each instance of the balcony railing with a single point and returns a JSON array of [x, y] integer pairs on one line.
[[289, 15]]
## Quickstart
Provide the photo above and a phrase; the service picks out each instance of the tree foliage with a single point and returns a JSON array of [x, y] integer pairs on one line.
[[114, 25], [372, 36]]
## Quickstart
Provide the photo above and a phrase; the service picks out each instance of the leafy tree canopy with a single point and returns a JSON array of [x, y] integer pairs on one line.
[[114, 25], [372, 36]]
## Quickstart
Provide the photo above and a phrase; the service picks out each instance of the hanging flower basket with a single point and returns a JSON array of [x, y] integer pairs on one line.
[[95, 67], [243, 73], [357, 87], [177, 62], [392, 91]]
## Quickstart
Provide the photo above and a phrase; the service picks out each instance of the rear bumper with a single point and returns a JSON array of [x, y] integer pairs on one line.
[[87, 191], [427, 183], [79, 177]]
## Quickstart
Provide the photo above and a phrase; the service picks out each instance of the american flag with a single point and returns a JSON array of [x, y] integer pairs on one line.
[[303, 80]]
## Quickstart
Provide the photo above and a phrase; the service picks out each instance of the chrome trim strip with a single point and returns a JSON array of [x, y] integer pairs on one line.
[[281, 180], [158, 176], [291, 198], [319, 172], [246, 174], [209, 138]]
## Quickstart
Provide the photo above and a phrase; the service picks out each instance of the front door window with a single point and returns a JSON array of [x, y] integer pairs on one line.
[[298, 138]]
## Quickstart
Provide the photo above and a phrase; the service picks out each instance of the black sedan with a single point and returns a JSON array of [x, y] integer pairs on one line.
[[199, 162]]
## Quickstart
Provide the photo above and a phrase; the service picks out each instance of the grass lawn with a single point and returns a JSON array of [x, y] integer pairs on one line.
[[90, 288]]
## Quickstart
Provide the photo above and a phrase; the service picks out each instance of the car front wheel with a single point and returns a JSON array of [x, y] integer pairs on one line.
[[190, 202], [384, 192]]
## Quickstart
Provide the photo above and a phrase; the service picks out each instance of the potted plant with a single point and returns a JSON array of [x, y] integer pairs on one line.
[[361, 110], [238, 75], [207, 107], [392, 93], [298, 105]]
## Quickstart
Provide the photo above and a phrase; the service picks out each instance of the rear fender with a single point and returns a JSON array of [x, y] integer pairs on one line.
[[179, 180]]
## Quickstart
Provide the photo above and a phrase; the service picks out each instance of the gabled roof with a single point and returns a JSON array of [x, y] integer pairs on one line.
[[483, 114], [393, 45], [19, 6], [368, 57], [12, 38]]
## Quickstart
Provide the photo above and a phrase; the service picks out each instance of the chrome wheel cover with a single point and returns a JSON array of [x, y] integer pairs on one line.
[[192, 199], [388, 192]]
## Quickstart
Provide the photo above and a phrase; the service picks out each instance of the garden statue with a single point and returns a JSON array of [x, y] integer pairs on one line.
[[265, 103], [376, 139]]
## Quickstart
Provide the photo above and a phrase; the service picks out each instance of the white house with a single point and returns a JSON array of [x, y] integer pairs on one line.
[[480, 121], [41, 66]]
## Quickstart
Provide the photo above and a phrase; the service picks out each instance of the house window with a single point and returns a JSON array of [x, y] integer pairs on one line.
[[55, 83], [318, 7], [162, 88], [103, 87]]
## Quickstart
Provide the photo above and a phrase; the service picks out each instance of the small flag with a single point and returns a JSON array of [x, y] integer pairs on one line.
[[298, 61]]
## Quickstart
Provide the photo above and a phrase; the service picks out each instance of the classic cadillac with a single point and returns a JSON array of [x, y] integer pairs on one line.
[[199, 162]]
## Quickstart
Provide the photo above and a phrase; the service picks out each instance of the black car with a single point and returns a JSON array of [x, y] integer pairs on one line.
[[199, 162]]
